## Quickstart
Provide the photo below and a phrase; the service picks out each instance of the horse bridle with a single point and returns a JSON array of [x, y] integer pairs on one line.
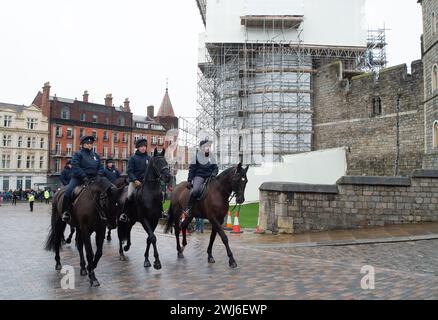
[[156, 172], [234, 194]]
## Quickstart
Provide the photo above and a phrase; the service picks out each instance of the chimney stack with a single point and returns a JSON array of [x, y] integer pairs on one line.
[[45, 103], [109, 100], [126, 105], [85, 96], [150, 112]]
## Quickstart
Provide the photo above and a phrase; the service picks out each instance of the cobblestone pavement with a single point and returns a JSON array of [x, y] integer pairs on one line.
[[268, 267]]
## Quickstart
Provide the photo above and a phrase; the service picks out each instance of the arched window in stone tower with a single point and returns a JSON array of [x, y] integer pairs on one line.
[[434, 77], [377, 106], [435, 134]]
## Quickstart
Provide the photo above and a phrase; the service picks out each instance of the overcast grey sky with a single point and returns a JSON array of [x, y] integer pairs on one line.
[[129, 48]]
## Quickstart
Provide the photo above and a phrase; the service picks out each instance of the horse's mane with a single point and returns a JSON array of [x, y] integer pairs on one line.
[[225, 172]]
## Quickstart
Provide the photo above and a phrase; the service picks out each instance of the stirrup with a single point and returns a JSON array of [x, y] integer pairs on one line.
[[102, 216], [66, 216], [123, 218]]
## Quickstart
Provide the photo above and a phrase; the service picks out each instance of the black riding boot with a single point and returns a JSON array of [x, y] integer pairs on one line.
[[66, 209]]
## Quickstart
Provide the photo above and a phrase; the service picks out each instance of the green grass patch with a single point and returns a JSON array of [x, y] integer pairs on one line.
[[249, 214]]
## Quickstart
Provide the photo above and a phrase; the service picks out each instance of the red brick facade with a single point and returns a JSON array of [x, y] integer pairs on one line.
[[115, 129]]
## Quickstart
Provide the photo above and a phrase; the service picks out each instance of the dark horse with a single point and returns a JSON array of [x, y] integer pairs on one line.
[[146, 207], [119, 183], [98, 194], [213, 207]]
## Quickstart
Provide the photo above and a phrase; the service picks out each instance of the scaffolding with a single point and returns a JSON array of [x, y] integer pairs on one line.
[[375, 57], [256, 96]]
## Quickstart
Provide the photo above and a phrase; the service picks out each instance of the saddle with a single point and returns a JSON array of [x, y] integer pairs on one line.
[[204, 189], [76, 193]]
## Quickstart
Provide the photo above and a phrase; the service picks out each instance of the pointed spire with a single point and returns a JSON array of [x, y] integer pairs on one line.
[[166, 109]]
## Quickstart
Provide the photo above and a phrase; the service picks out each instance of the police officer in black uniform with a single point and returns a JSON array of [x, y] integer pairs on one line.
[[137, 166], [111, 172], [66, 174], [86, 164]]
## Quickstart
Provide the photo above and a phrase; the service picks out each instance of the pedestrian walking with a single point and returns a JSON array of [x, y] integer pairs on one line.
[[31, 198], [199, 225], [14, 198], [47, 196]]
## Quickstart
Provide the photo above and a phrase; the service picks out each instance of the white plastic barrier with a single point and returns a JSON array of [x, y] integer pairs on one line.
[[317, 167]]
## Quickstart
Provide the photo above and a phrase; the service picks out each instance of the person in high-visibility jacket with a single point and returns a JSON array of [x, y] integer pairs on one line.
[[47, 196], [31, 199]]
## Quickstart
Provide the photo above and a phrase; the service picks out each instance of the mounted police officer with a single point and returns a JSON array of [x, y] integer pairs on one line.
[[86, 165], [111, 172], [137, 166], [203, 165], [66, 174]]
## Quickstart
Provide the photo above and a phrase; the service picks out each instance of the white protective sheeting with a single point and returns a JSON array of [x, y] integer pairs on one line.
[[317, 167], [326, 22]]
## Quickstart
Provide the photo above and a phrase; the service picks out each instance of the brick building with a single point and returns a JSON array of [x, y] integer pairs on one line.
[[146, 127], [71, 119], [360, 113], [430, 62]]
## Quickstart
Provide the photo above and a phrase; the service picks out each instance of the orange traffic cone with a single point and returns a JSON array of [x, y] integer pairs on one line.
[[184, 218], [258, 231], [236, 227], [229, 225]]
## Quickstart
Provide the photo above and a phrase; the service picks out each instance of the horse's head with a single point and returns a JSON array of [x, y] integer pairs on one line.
[[109, 195], [159, 166], [239, 181]]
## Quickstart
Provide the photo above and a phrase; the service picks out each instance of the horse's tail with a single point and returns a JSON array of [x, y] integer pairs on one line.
[[54, 237], [170, 219]]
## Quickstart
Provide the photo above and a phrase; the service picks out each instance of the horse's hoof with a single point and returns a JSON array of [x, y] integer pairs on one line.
[[126, 248], [147, 264], [180, 255], [68, 241], [83, 272], [211, 260], [157, 265], [233, 264], [58, 266], [122, 258], [108, 238], [94, 283]]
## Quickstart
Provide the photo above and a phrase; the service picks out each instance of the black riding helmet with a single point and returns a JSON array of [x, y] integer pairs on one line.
[[87, 139], [140, 143]]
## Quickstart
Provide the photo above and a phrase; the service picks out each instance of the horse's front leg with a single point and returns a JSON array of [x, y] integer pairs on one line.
[[100, 237], [147, 263], [210, 245], [80, 246], [153, 240], [90, 258], [232, 261]]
